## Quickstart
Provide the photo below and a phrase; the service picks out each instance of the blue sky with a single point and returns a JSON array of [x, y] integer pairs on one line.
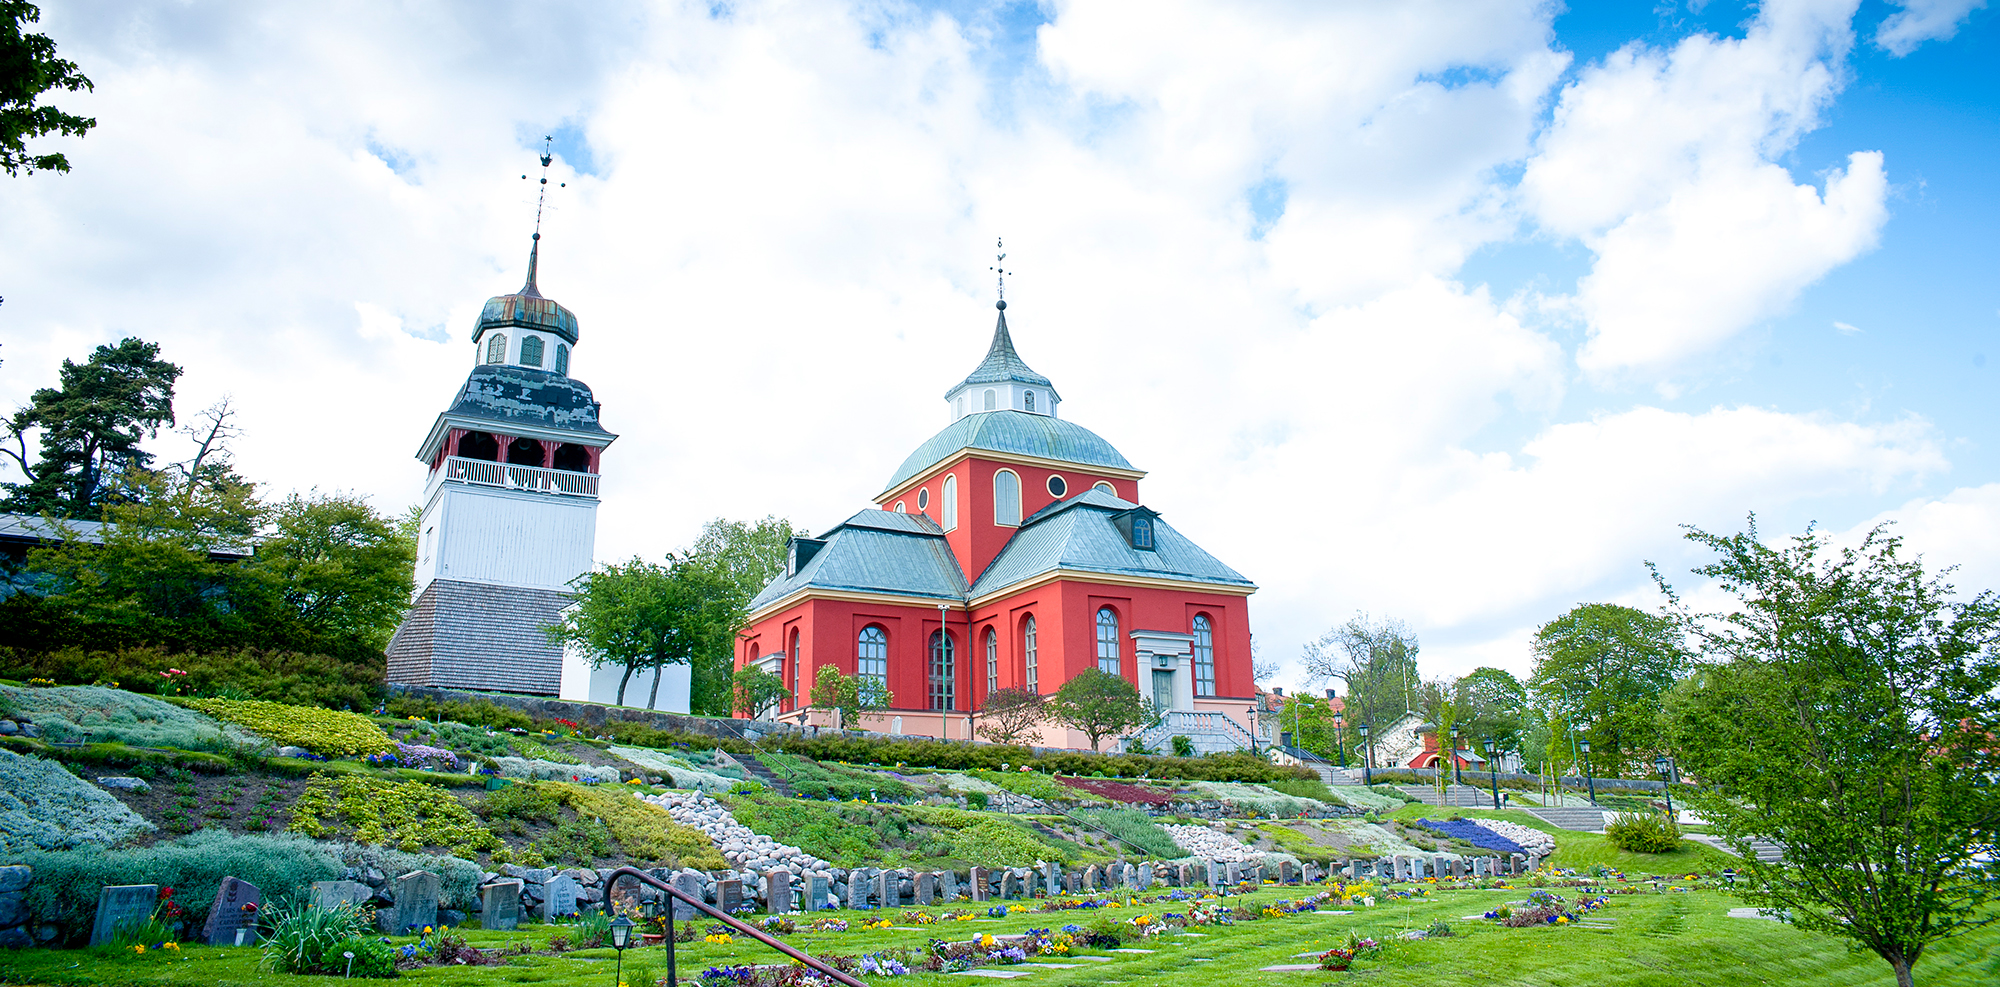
[[1450, 311]]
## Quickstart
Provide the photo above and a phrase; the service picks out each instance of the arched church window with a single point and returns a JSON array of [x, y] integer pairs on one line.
[[989, 400], [1106, 487], [1204, 656], [1028, 656], [1030, 398], [1006, 498], [562, 358], [525, 452], [479, 445], [496, 348], [942, 665], [949, 509], [572, 457], [871, 656], [992, 662], [531, 351], [1107, 641], [902, 508], [795, 670]]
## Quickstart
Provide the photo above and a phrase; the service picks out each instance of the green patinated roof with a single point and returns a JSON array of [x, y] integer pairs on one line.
[[1002, 365], [1023, 433], [1078, 534], [878, 552]]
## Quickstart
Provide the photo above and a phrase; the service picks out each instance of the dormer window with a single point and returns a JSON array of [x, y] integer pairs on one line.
[[1029, 397], [1137, 525], [496, 348], [531, 351], [1142, 533]]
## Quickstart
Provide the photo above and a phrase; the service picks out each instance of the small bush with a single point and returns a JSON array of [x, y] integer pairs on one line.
[[1643, 832], [515, 767], [373, 959], [1183, 746], [482, 713], [66, 883], [68, 714], [322, 731], [1307, 788], [1136, 828], [813, 780], [529, 802], [44, 807], [410, 816], [248, 673], [643, 830]]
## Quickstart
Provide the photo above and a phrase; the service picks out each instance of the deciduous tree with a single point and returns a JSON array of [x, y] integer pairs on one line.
[[342, 571], [647, 615], [1605, 667], [1009, 715], [1378, 662], [738, 558], [1846, 710], [757, 690], [1100, 705]]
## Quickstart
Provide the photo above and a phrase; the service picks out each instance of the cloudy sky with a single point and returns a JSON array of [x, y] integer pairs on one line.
[[1451, 312]]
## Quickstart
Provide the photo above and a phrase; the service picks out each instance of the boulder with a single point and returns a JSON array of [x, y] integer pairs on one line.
[[15, 877], [124, 784], [291, 751]]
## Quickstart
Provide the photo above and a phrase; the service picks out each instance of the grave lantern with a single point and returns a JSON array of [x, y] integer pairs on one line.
[[1367, 758], [1493, 768], [621, 936]]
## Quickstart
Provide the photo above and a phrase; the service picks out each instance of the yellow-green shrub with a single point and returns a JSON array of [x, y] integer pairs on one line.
[[645, 831], [409, 816], [326, 732]]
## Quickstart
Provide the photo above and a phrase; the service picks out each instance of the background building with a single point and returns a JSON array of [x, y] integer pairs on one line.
[[1010, 550]]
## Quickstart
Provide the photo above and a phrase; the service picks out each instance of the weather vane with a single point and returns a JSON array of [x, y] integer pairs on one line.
[[535, 250], [1001, 245]]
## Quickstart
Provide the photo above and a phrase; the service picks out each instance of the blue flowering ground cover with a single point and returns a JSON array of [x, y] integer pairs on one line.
[[1473, 833]]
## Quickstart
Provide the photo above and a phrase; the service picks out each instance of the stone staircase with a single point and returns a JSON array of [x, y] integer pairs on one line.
[[1769, 853], [1461, 796], [757, 769], [1211, 733], [1581, 820]]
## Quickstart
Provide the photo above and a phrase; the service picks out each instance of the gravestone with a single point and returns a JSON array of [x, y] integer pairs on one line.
[[118, 904], [857, 891], [729, 895], [1090, 878], [1458, 867], [624, 897], [778, 891], [1052, 878], [815, 892], [948, 885], [884, 890], [926, 889], [1030, 883], [559, 898], [1145, 876], [1482, 867], [417, 902], [333, 894], [1235, 872], [1288, 873], [1218, 874], [1308, 873], [1010, 885], [1440, 867], [1184, 875], [687, 884], [979, 885], [229, 914], [500, 904]]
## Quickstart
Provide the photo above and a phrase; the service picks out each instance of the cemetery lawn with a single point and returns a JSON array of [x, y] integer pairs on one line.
[[1680, 939]]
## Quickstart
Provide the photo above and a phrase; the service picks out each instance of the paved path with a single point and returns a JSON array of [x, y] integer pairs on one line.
[[1769, 853]]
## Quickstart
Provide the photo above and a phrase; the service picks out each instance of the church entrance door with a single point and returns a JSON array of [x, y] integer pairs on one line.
[[1163, 688]]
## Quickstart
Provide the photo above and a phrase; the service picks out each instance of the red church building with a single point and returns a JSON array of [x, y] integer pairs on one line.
[[1010, 550]]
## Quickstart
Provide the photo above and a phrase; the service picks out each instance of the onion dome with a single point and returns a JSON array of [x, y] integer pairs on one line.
[[527, 309]]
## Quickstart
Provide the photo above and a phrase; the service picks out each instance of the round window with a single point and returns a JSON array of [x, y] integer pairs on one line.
[[1056, 486], [923, 498]]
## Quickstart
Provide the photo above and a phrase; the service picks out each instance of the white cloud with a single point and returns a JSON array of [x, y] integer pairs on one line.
[[1662, 163], [1960, 529], [1846, 329], [1920, 21]]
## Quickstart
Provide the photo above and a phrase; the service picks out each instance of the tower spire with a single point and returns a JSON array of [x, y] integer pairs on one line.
[[535, 248], [1000, 245]]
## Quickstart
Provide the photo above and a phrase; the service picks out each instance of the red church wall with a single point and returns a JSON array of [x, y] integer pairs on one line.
[[975, 540]]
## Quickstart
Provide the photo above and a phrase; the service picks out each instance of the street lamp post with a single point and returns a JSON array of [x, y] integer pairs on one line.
[[1493, 768], [1340, 737], [621, 935], [1587, 775], [1665, 763], [1457, 776], [1253, 728], [1367, 757]]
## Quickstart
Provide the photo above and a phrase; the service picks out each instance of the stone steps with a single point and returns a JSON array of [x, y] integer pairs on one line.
[[1581, 820], [1461, 796], [758, 770], [1769, 853]]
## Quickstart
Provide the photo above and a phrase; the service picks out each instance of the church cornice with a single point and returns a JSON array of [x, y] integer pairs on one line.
[[1011, 458], [1111, 579], [807, 594]]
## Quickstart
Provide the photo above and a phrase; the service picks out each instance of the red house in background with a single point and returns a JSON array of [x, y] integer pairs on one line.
[[1010, 550]]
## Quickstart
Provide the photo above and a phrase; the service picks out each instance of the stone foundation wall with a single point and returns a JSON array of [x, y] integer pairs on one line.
[[15, 927]]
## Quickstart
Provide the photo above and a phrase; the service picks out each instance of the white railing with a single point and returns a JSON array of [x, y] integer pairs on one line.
[[512, 477], [1210, 732]]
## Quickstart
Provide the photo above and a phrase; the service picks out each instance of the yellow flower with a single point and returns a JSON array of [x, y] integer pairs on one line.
[[138, 949], [986, 939], [176, 947], [1562, 920]]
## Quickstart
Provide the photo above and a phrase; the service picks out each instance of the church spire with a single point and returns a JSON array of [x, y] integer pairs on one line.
[[535, 248], [1002, 381]]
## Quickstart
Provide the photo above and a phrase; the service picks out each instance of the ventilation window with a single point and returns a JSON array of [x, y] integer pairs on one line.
[[531, 351], [562, 359], [496, 348], [1030, 398], [990, 401], [1057, 486], [1106, 487]]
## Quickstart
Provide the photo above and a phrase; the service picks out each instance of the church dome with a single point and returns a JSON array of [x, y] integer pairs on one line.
[[526, 309], [1020, 433]]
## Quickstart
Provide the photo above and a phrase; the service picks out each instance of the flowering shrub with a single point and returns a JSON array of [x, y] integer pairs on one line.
[[322, 731], [410, 816], [437, 758], [44, 807], [1118, 791], [541, 770]]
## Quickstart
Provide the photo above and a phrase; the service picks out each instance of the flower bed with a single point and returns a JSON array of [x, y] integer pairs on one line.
[[1118, 791], [322, 731], [1474, 833], [410, 816]]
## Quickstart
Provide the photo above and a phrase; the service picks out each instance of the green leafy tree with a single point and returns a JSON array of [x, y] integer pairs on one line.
[[1100, 705], [1605, 667], [90, 427], [28, 68], [647, 615], [1493, 705], [342, 571], [738, 559], [1378, 662], [848, 694], [1009, 715], [1309, 719], [757, 690], [1846, 711]]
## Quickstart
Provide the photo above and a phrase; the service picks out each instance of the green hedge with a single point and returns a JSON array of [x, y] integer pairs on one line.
[[67, 882], [249, 673]]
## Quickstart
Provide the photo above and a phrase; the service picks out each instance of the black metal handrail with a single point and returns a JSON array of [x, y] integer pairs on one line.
[[675, 894]]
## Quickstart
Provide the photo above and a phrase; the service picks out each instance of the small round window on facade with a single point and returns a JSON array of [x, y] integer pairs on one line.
[[1057, 486], [924, 499]]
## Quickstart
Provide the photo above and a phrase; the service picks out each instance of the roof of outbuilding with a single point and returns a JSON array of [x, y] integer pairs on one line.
[[1002, 365], [877, 552], [1078, 534], [1020, 432], [523, 395]]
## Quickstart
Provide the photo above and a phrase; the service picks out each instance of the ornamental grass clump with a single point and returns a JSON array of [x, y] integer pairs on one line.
[[1136, 829], [409, 816], [44, 807], [69, 714], [301, 938], [326, 732], [1643, 832]]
